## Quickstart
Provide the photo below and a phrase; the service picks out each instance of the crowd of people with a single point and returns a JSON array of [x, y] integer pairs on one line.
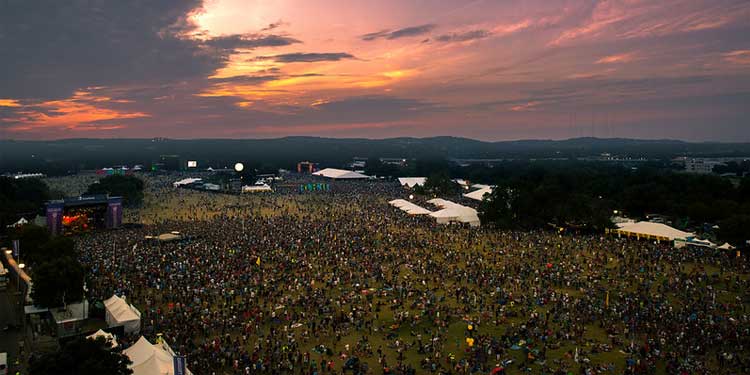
[[333, 281]]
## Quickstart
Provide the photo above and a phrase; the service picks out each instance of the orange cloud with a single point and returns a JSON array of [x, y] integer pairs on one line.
[[79, 112], [617, 59], [9, 103]]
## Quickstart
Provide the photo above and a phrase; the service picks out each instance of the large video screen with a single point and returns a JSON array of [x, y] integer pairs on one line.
[[192, 163]]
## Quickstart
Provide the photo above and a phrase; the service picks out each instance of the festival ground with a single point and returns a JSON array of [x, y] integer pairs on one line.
[[275, 279]]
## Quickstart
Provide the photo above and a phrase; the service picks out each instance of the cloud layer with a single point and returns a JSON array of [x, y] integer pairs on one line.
[[490, 70]]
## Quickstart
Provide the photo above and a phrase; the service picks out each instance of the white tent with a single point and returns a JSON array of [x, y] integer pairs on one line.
[[19, 223], [409, 208], [478, 195], [340, 174], [649, 230], [412, 181], [107, 337], [256, 188], [454, 212], [120, 313], [726, 246], [186, 181], [151, 359]]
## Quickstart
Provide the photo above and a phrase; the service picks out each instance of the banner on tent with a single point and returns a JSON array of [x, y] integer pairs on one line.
[[179, 365]]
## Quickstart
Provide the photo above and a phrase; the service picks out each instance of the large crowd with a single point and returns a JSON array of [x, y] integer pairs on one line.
[[332, 281]]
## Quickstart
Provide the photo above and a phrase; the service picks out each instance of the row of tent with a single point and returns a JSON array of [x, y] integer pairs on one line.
[[479, 194], [146, 358], [449, 212]]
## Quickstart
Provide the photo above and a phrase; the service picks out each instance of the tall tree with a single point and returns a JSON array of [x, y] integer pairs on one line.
[[82, 357], [130, 188], [56, 281]]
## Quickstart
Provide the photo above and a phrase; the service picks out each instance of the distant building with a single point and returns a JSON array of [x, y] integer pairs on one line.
[[702, 166]]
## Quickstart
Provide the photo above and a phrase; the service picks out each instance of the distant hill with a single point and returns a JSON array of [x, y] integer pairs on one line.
[[76, 154]]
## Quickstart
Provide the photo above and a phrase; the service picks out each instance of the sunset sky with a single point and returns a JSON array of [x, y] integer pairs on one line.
[[491, 70]]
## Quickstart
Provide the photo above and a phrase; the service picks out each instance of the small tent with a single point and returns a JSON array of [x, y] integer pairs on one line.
[[120, 313], [412, 181], [108, 337], [151, 359]]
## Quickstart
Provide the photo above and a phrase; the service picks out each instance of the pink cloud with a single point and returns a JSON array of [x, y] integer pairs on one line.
[[740, 57], [617, 59]]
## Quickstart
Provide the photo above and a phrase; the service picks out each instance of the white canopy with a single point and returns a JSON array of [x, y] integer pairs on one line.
[[726, 246], [19, 223], [648, 229], [107, 337], [478, 195], [120, 313], [454, 212], [256, 188], [412, 181], [186, 181], [339, 174], [409, 208], [151, 359]]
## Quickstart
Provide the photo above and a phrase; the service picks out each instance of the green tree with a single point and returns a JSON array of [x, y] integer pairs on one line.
[[130, 188], [82, 357], [735, 229], [57, 280], [21, 198], [440, 183]]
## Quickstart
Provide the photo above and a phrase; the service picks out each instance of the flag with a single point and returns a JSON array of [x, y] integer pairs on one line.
[[179, 365], [606, 301]]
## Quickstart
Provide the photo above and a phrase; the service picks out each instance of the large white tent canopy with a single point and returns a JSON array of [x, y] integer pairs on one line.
[[409, 208], [340, 174], [412, 181], [151, 359], [649, 230], [186, 181], [120, 313]]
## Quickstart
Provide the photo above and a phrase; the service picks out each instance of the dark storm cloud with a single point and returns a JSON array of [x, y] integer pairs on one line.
[[51, 49], [307, 57], [250, 41], [400, 33], [464, 36]]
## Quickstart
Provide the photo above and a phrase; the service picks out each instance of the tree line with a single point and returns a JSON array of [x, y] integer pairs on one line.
[[585, 196]]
